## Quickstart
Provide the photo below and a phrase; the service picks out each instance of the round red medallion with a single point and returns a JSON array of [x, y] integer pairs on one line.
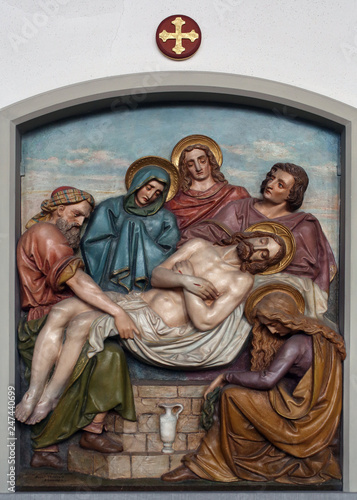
[[178, 37]]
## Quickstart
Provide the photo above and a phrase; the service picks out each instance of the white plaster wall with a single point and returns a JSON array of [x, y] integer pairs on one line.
[[46, 44]]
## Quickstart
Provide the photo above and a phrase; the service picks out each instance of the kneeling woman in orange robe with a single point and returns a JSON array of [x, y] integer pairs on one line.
[[278, 421]]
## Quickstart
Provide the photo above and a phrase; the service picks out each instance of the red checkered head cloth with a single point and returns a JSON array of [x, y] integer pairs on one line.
[[64, 195]]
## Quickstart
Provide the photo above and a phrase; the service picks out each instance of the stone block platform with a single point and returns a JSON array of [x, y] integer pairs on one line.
[[142, 456]]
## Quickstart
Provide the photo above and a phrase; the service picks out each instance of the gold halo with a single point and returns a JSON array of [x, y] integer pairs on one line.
[[285, 234], [259, 293], [190, 140], [155, 161]]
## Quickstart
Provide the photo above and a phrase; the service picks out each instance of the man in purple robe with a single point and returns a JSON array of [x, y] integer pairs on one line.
[[283, 193]]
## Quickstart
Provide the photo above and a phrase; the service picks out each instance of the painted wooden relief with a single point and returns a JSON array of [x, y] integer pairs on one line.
[[181, 263]]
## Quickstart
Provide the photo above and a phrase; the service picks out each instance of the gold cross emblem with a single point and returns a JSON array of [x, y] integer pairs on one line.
[[178, 35]]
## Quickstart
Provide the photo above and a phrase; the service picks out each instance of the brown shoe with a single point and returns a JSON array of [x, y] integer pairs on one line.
[[181, 473], [99, 442], [46, 459]]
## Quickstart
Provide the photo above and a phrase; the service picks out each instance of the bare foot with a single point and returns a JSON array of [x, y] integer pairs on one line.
[[42, 409], [26, 406]]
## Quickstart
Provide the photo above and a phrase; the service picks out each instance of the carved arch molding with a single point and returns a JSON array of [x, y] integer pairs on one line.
[[127, 92]]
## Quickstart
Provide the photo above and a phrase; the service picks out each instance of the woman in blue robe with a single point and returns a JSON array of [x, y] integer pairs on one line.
[[128, 236]]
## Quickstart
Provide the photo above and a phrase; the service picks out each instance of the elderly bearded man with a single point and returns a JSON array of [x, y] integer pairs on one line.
[[50, 272]]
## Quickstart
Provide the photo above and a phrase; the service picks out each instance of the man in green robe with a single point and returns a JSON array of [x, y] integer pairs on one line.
[[50, 272]]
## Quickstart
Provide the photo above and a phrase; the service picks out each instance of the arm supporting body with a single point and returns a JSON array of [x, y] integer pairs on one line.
[[87, 290]]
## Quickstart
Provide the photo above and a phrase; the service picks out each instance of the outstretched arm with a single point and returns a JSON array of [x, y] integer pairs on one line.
[[295, 350], [87, 290]]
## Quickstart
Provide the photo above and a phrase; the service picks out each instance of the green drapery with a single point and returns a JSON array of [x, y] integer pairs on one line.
[[96, 385]]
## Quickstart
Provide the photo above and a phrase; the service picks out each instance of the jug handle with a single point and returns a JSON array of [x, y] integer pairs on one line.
[[180, 409]]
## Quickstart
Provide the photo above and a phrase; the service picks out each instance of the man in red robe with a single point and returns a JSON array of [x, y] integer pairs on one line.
[[204, 191], [50, 272]]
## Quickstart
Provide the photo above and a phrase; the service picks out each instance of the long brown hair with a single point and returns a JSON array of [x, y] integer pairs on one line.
[[280, 307], [185, 178]]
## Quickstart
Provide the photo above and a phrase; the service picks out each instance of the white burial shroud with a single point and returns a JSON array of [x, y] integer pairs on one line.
[[186, 347]]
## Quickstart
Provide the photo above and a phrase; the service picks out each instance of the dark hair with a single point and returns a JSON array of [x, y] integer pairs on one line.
[[185, 178], [296, 195], [256, 267]]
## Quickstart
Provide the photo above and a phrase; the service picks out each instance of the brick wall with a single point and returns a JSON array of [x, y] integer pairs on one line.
[[142, 455]]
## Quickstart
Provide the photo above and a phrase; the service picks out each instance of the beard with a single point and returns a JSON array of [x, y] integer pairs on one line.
[[245, 250], [70, 231]]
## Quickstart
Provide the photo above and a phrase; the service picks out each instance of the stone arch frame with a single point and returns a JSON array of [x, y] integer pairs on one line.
[[128, 91]]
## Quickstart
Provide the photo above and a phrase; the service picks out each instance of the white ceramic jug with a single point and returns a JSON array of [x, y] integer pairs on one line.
[[168, 422]]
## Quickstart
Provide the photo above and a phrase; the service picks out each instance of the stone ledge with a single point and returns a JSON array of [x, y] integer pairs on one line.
[[157, 391], [169, 383], [152, 390], [151, 405], [124, 465]]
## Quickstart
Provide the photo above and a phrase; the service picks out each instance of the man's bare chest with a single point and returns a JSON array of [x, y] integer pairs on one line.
[[219, 273]]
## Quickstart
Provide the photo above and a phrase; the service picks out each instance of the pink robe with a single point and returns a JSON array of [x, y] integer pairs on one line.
[[313, 259]]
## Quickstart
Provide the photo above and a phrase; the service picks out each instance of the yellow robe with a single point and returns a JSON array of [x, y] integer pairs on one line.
[[274, 435]]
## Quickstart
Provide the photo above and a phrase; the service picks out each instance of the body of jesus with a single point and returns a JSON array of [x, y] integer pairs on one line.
[[201, 283]]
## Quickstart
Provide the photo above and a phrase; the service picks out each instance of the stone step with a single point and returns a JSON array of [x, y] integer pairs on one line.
[[142, 456], [133, 465]]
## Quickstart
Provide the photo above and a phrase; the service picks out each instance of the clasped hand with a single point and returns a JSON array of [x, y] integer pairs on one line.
[[198, 286]]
